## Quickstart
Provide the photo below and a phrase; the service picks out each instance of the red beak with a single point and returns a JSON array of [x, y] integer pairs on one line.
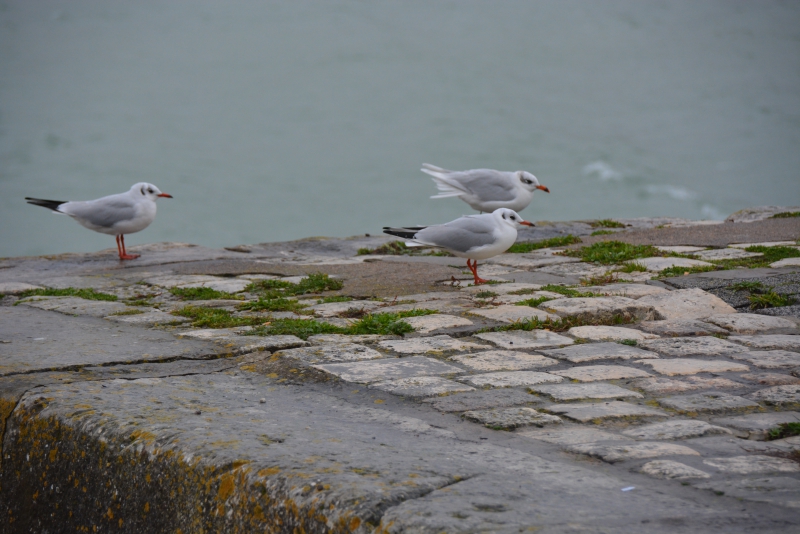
[[543, 188], [527, 223], [164, 195]]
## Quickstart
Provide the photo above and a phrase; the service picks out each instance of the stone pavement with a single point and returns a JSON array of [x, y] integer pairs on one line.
[[650, 415]]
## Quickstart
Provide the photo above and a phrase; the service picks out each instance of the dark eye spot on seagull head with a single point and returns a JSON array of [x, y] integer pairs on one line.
[[149, 189], [142, 190]]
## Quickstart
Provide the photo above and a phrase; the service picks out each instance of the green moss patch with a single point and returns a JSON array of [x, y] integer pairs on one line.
[[769, 299], [633, 266], [129, 312], [533, 302], [786, 215], [610, 252], [606, 223], [669, 272], [747, 286], [273, 304], [562, 241], [203, 293], [88, 294], [563, 324], [215, 317], [770, 255], [378, 323], [602, 232], [313, 283], [784, 430], [335, 298]]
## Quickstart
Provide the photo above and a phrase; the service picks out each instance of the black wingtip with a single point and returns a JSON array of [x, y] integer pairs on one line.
[[49, 204]]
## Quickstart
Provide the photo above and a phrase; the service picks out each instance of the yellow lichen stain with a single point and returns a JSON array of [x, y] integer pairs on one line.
[[379, 401], [146, 507], [269, 471], [120, 523], [147, 478], [53, 455], [251, 368], [226, 487], [354, 523]]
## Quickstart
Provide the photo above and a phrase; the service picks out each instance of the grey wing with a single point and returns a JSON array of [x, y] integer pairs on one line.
[[487, 184], [103, 212], [460, 235]]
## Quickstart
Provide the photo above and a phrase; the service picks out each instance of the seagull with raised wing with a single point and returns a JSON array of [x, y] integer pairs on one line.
[[475, 237], [486, 190], [117, 215]]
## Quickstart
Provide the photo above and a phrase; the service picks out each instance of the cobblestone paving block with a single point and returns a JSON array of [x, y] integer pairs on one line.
[[636, 276], [570, 435], [503, 360], [692, 346], [511, 379], [658, 264], [631, 291], [601, 308], [511, 314], [753, 464], [369, 372], [684, 304], [432, 296], [756, 425], [688, 366], [501, 289], [148, 318], [777, 395], [511, 418], [612, 453], [661, 386], [513, 299], [770, 341], [680, 328], [76, 306], [725, 254], [332, 309], [522, 339], [593, 373], [776, 490], [323, 339], [219, 333], [425, 324], [680, 249], [786, 262], [568, 392], [675, 429], [590, 352], [526, 261], [481, 400], [608, 333], [229, 285], [707, 402], [15, 288], [770, 359], [771, 379], [339, 352], [433, 344], [252, 277], [672, 470], [578, 269], [443, 306], [175, 280], [589, 411], [752, 323], [421, 386]]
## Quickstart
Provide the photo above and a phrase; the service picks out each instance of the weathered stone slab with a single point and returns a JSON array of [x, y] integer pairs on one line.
[[776, 490], [421, 386], [511, 418], [181, 280], [526, 339], [593, 373], [658, 264], [725, 254], [680, 249], [601, 308], [786, 262], [676, 429], [756, 425], [707, 402], [771, 379], [76, 306], [339, 352], [635, 451], [503, 360], [15, 288], [501, 289], [568, 392], [585, 412], [680, 347], [388, 369], [753, 464], [590, 352], [571, 435], [526, 261], [332, 309], [578, 269], [753, 323], [229, 285], [687, 366], [513, 299], [433, 344], [777, 395], [769, 359], [672, 470], [773, 341], [148, 318], [481, 400], [323, 339], [511, 314], [608, 333], [511, 379], [631, 291], [425, 324], [661, 386], [685, 304], [680, 328]]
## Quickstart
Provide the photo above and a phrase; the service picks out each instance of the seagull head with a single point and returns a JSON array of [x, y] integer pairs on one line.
[[529, 181], [510, 217], [149, 191]]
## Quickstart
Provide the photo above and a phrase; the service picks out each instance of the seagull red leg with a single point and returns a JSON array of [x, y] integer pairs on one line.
[[474, 268], [124, 254]]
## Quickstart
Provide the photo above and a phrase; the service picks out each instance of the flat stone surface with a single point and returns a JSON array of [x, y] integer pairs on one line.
[[679, 249], [635, 451], [570, 435], [687, 366], [658, 264], [503, 360], [680, 328], [433, 344], [578, 269], [777, 395], [229, 285], [754, 464], [590, 352], [388, 369], [526, 339], [593, 373], [585, 412], [692, 346], [451, 306], [568, 392], [511, 418], [332, 309], [773, 341], [756, 425], [14, 288], [771, 379], [340, 352], [428, 323], [707, 402], [502, 289], [776, 490], [675, 429], [693, 303], [661, 386], [725, 254], [770, 359], [529, 261], [672, 470], [765, 244], [608, 333], [511, 379], [601, 308], [511, 314], [786, 262], [76, 306], [752, 323], [632, 291], [149, 318], [421, 386], [181, 280], [481, 400], [322, 339]]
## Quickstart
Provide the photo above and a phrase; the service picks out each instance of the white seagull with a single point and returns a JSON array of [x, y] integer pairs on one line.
[[475, 237], [486, 190], [115, 215]]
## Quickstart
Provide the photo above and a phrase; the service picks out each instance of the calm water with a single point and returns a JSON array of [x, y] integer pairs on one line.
[[278, 120]]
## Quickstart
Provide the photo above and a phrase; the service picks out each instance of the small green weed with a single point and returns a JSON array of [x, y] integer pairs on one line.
[[633, 266], [129, 312], [335, 298], [752, 287], [379, 323], [606, 223], [768, 300], [770, 255], [485, 294], [609, 252], [566, 291], [274, 304], [313, 283], [561, 241], [602, 232], [681, 271], [786, 215], [784, 430], [215, 317], [562, 324], [203, 293], [533, 302], [600, 280], [629, 342], [88, 294], [139, 302]]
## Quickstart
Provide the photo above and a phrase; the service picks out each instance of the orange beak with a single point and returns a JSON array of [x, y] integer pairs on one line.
[[527, 223], [164, 195], [543, 188]]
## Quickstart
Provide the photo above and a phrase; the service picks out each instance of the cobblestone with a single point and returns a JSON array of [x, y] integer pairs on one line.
[[593, 373], [686, 304], [753, 464], [571, 435], [568, 392], [601, 308], [511, 418], [503, 360], [680, 328], [672, 470], [421, 386], [425, 324], [599, 351], [676, 429], [686, 366], [777, 395], [756, 425], [635, 451], [770, 359], [692, 346], [368, 372], [766, 342], [608, 333], [522, 339], [343, 352], [511, 379], [511, 314], [585, 412], [434, 344], [707, 402]]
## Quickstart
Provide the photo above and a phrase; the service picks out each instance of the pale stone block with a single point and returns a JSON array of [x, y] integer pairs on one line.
[[340, 352], [593, 373], [636, 276], [608, 333], [513, 299], [425, 324], [686, 366], [680, 249], [481, 400], [14, 288], [786, 262], [725, 254], [501, 289], [526, 261], [660, 386], [149, 318], [776, 490], [770, 359], [771, 379], [681, 327], [771, 341], [503, 360], [672, 470], [756, 425], [433, 344], [612, 453], [684, 304], [601, 308], [755, 463], [511, 379], [368, 372], [322, 339], [632, 291], [707, 402], [228, 285], [777, 395], [658, 264], [525, 339], [511, 418], [677, 429], [332, 309], [76, 306], [571, 435], [421, 386], [751, 323], [585, 412], [692, 346], [180, 280], [512, 314], [590, 352], [579, 269], [568, 392]]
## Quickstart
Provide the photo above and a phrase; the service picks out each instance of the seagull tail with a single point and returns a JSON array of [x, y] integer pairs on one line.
[[49, 204], [428, 167]]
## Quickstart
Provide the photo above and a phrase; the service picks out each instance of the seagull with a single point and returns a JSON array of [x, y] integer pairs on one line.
[[475, 237], [486, 190], [115, 215]]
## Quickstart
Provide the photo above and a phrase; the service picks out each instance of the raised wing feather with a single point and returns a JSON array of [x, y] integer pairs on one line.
[[103, 212], [460, 235], [487, 184]]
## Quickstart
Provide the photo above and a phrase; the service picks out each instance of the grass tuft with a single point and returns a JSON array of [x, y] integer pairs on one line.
[[610, 252], [606, 223], [562, 324], [566, 291], [784, 430], [533, 302], [770, 255], [602, 232], [129, 312], [561, 241], [203, 293], [629, 342], [786, 214], [485, 294], [334, 298], [681, 271], [313, 283], [633, 266], [88, 294], [378, 323], [769, 299], [752, 287], [215, 317]]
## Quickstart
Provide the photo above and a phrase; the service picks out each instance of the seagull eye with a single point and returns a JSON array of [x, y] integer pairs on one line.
[[149, 190], [513, 218]]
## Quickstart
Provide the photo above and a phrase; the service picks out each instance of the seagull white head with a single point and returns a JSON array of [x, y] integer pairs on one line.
[[149, 191], [529, 181], [510, 218]]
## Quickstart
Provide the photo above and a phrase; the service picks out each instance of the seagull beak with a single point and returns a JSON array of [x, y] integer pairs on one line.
[[543, 188], [527, 223], [164, 195]]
